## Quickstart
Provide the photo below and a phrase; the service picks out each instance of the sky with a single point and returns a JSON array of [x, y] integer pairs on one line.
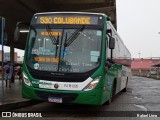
[[138, 24]]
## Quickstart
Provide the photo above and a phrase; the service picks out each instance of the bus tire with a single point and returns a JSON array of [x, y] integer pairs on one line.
[[112, 94], [125, 89]]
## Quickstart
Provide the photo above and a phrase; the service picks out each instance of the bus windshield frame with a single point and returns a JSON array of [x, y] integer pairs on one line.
[[61, 36]]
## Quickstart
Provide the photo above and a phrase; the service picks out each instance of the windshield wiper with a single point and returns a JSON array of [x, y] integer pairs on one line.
[[73, 36], [64, 48], [53, 38], [71, 39]]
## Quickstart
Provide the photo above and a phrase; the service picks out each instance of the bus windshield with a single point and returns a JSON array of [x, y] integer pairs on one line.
[[64, 49]]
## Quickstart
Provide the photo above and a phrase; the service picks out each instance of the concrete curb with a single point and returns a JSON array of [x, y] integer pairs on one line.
[[16, 105]]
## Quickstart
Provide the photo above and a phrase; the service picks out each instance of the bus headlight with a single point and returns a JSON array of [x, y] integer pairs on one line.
[[92, 84], [26, 80]]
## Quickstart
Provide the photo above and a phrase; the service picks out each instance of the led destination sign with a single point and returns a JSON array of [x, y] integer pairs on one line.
[[64, 20], [45, 33], [68, 19]]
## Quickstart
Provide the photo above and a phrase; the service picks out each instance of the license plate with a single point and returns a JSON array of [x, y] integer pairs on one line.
[[55, 99]]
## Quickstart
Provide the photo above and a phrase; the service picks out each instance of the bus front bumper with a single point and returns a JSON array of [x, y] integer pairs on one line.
[[92, 97]]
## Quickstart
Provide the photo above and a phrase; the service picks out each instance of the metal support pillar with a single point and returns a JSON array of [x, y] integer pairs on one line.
[[12, 57], [12, 53], [2, 24]]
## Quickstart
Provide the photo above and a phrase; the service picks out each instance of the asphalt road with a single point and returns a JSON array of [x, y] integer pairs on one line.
[[143, 94]]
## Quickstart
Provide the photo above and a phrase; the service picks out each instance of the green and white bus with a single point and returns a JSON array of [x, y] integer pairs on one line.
[[74, 57]]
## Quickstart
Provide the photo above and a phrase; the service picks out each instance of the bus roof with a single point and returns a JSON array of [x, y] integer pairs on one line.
[[89, 13]]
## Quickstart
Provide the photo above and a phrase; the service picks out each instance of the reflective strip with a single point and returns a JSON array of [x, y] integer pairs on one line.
[[75, 86]]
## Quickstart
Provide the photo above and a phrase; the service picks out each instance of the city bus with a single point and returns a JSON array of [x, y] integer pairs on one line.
[[74, 57]]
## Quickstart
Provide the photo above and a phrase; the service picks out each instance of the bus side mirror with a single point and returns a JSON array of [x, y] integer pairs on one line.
[[111, 43], [20, 26], [16, 33]]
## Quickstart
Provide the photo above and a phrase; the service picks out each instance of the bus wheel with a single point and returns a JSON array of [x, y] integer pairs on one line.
[[111, 95]]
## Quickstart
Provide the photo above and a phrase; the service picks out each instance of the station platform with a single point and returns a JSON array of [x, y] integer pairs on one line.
[[13, 96]]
